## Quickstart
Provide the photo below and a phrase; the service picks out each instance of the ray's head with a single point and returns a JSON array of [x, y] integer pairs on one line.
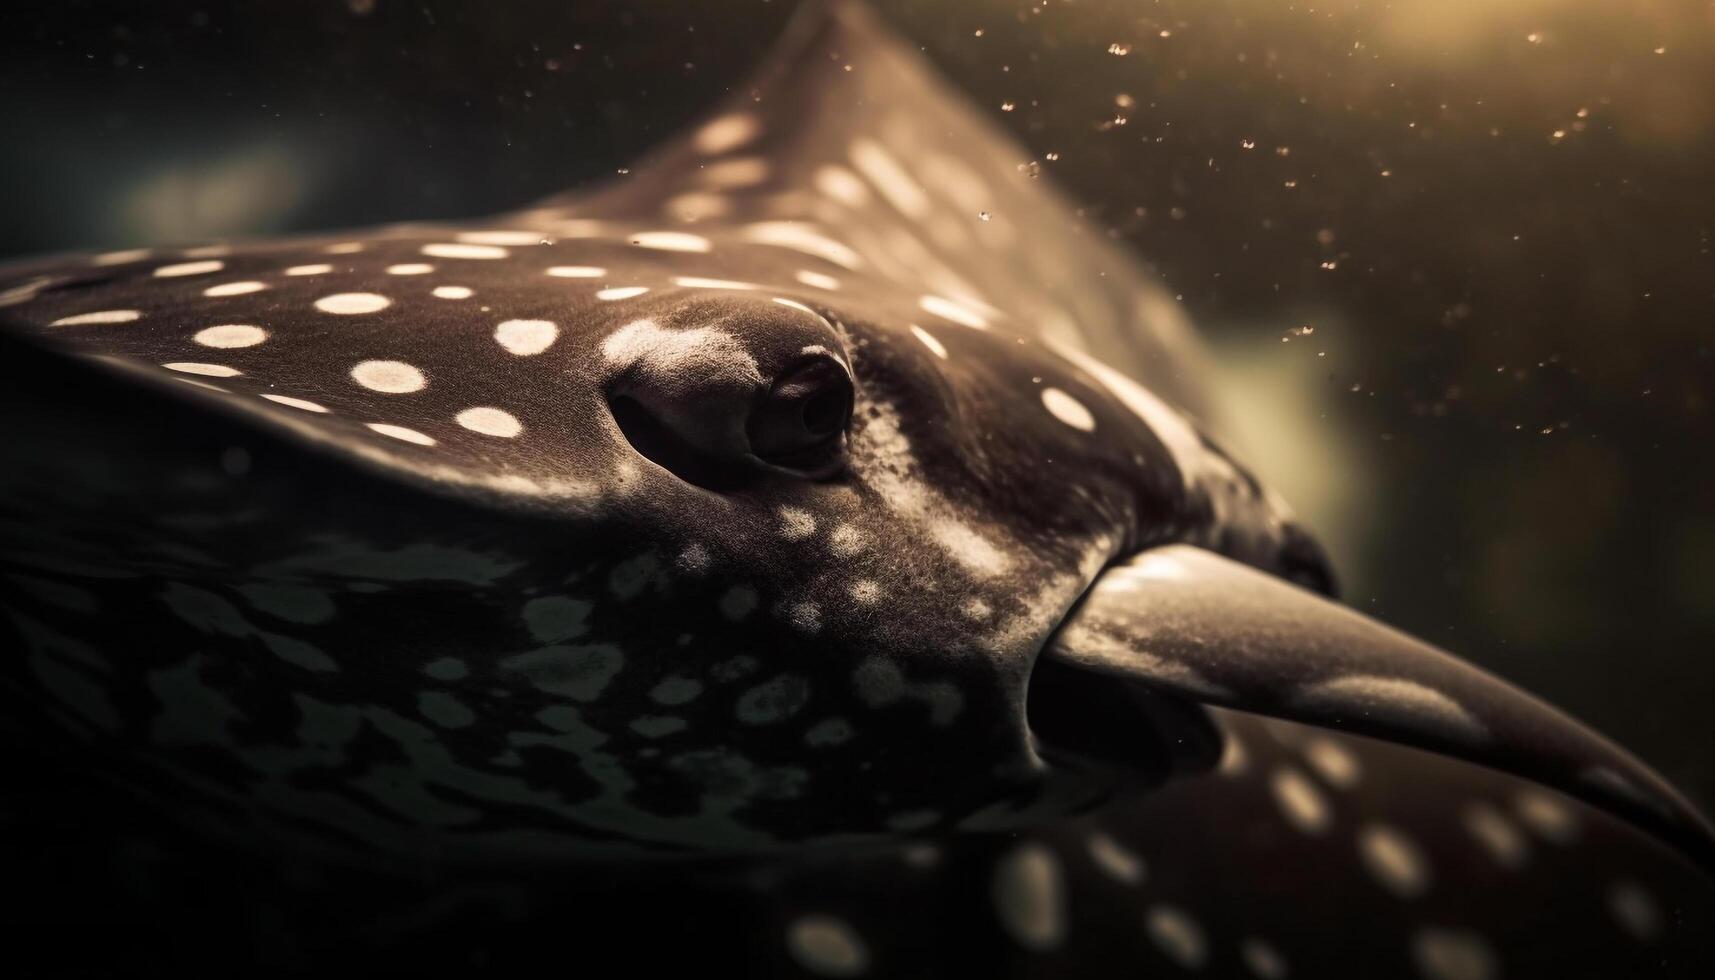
[[737, 563]]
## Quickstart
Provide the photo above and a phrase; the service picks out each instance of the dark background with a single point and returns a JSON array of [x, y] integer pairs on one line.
[[1496, 219]]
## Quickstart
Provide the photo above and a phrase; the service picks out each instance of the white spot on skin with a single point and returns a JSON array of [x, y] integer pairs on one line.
[[452, 292], [309, 270], [464, 250], [845, 541], [969, 547], [829, 731], [726, 133], [1636, 910], [410, 269], [1452, 954], [1068, 410], [526, 337], [728, 174], [676, 691], [1332, 761], [1030, 897], [190, 268], [697, 282], [1299, 800], [703, 352], [503, 237], [352, 304], [490, 422], [806, 616], [1235, 761], [234, 289], [928, 340], [577, 271], [1263, 960], [959, 313], [620, 292], [231, 335], [1394, 860], [207, 370], [401, 433], [837, 183], [389, 377], [100, 316], [120, 257], [1116, 861], [827, 947], [802, 237], [1170, 426], [1177, 935], [796, 524], [298, 403], [553, 618], [773, 701], [865, 591], [816, 280], [1504, 842], [1391, 698], [694, 559], [671, 241], [1546, 816], [873, 161], [697, 205]]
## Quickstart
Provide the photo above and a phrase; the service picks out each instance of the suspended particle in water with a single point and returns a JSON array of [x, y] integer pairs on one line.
[[1119, 49]]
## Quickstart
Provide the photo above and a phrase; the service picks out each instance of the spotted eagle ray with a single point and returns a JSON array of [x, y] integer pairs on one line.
[[803, 554]]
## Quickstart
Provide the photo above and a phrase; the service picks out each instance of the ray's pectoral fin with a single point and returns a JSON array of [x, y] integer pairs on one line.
[[1192, 623]]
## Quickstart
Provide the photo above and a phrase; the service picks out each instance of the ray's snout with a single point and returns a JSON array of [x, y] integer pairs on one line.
[[721, 391]]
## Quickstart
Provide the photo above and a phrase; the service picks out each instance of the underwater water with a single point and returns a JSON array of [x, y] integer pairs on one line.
[[1454, 258]]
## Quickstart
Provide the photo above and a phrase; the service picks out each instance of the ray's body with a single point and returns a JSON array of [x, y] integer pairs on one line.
[[534, 559]]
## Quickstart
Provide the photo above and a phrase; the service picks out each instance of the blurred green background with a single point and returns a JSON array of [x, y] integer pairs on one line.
[[1454, 255]]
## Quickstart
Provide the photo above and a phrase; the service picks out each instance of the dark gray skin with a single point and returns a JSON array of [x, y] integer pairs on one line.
[[730, 510]]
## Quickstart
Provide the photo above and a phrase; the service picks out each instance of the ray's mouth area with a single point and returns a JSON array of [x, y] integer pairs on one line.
[[1108, 728]]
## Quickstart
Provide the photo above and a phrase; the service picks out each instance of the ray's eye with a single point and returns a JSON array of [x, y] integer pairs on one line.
[[800, 422], [722, 392]]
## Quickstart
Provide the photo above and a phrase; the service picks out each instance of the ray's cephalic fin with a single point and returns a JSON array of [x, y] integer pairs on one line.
[[1192, 623]]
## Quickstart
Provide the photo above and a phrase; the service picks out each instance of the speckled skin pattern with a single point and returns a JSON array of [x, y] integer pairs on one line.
[[339, 560]]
